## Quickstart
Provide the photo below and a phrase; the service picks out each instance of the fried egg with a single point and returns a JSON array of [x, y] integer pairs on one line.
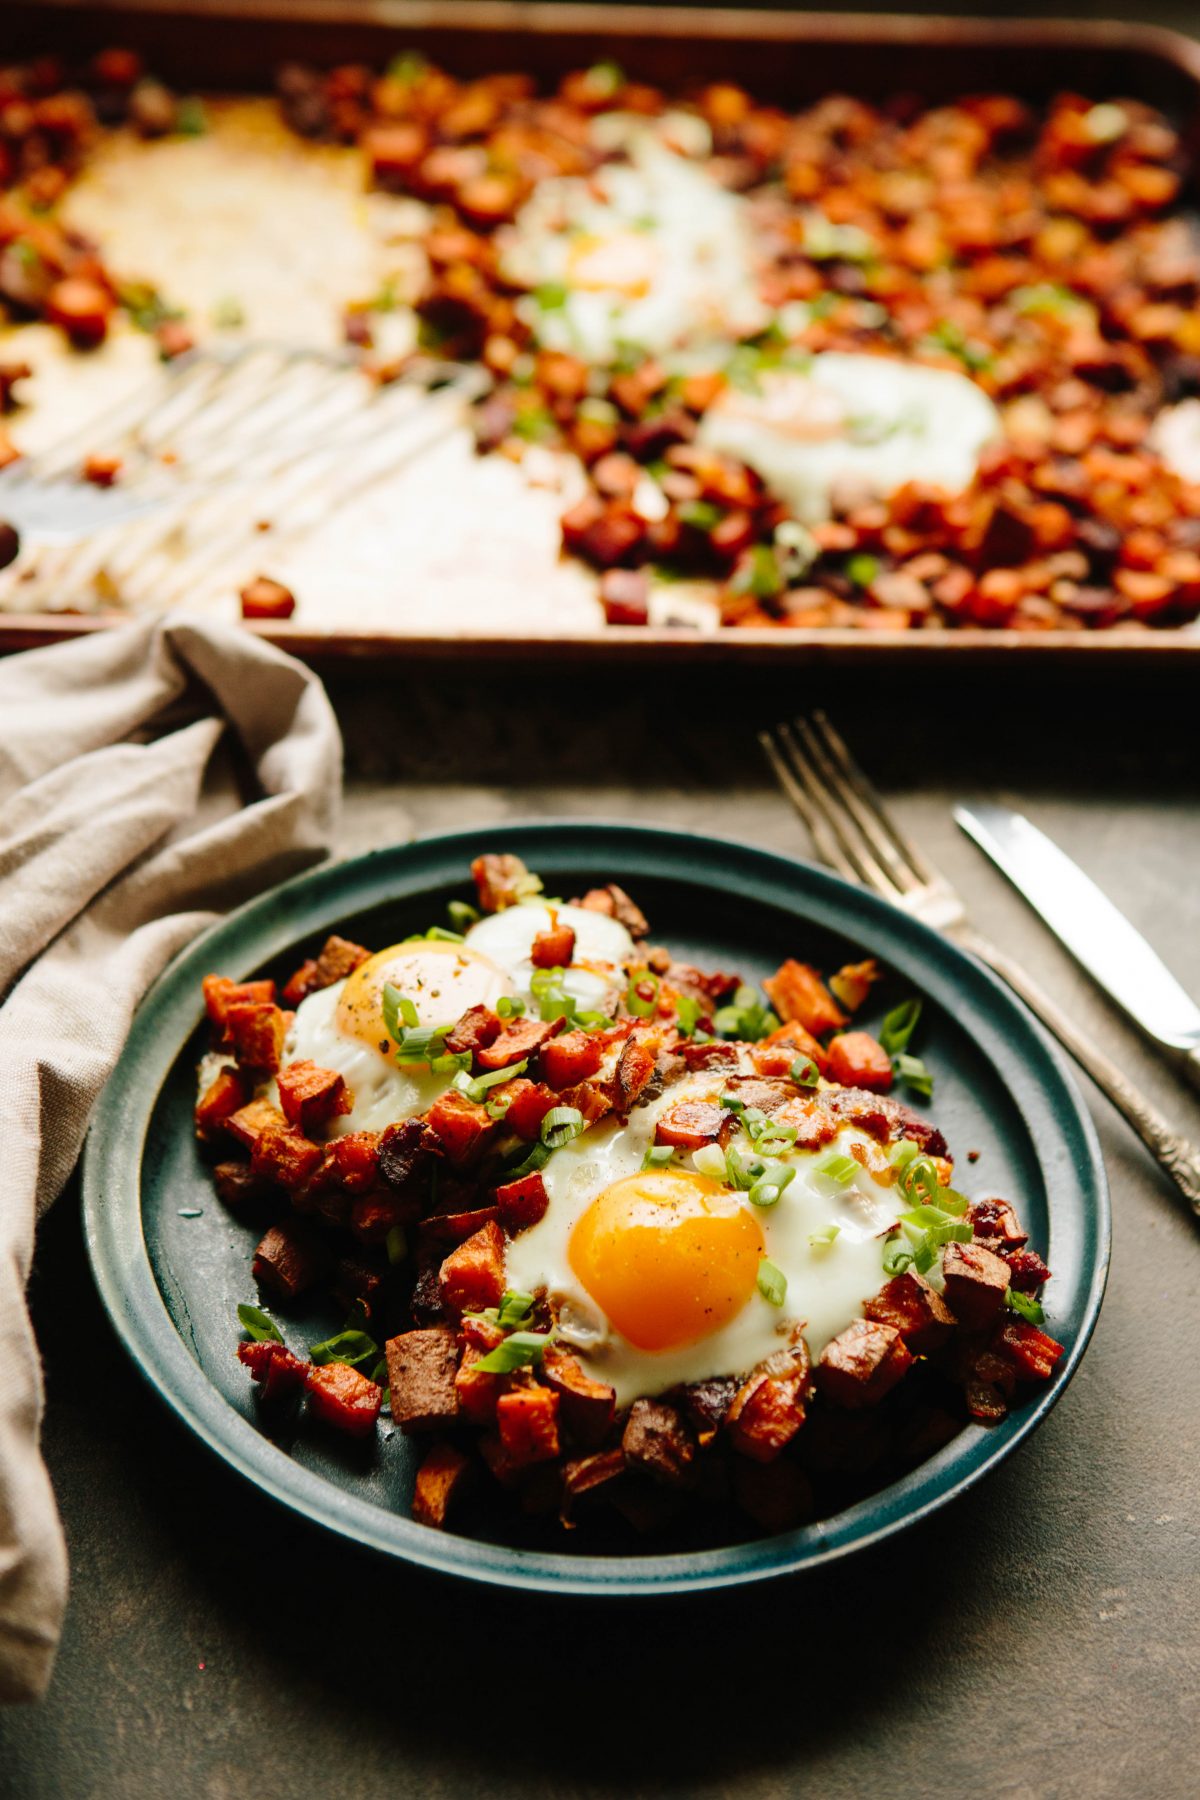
[[654, 1272], [868, 419], [602, 948], [649, 251], [342, 1027]]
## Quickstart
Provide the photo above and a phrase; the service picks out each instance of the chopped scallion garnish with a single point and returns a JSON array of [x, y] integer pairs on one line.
[[804, 1072], [837, 1167], [658, 1156], [560, 1125], [821, 1240], [1024, 1305], [518, 1351], [772, 1282], [510, 1006], [258, 1325]]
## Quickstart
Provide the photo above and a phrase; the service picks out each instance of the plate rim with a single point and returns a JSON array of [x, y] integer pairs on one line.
[[264, 927]]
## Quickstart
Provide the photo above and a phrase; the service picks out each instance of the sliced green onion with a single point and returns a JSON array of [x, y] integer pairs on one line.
[[638, 1003], [518, 1351], [258, 1325], [658, 1156], [537, 1158], [397, 1244], [1024, 1304], [898, 1026], [687, 1012], [897, 1257], [923, 1217], [920, 1177], [408, 1011], [767, 1189], [914, 1074], [710, 1160], [418, 1046], [560, 1125], [701, 515], [451, 1062], [748, 1018], [438, 934], [731, 1103], [350, 1347], [510, 1006], [476, 1088], [772, 1282], [593, 1021], [379, 1376], [462, 915], [837, 1167], [901, 1154], [804, 1072], [821, 1240], [496, 1109], [514, 1309]]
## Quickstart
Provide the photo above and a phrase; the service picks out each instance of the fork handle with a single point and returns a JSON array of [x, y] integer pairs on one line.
[[1173, 1152]]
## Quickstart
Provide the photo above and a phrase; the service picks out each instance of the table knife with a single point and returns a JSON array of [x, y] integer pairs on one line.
[[1085, 920]]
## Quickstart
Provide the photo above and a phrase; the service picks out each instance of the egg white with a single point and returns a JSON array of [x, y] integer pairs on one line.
[[382, 1093], [826, 1283], [651, 251], [869, 419], [602, 947]]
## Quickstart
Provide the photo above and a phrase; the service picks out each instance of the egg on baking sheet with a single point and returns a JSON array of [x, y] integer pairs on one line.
[[650, 251], [341, 1027], [654, 1272], [602, 948], [868, 419]]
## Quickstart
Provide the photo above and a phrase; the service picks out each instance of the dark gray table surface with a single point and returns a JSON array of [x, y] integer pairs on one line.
[[1038, 1638]]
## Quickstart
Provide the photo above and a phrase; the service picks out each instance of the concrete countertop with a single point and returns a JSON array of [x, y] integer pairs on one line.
[[1037, 1640]]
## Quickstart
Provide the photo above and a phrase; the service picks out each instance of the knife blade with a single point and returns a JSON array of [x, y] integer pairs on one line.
[[1085, 920]]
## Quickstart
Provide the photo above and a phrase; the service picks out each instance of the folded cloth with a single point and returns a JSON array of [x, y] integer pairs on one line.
[[125, 827]]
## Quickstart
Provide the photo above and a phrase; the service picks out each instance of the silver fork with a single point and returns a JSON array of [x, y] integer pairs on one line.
[[853, 833]]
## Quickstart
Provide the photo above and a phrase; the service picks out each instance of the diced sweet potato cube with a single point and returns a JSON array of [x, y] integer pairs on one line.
[[478, 1027], [522, 1203], [1033, 1352], [769, 1408], [862, 1364], [477, 1390], [658, 1440], [571, 1058], [250, 1121], [339, 957], [856, 1059], [342, 1397], [440, 1480], [224, 1096], [500, 881], [917, 1311], [587, 1406], [584, 1475], [778, 1496], [528, 1104], [553, 948], [284, 1155], [797, 992], [288, 1261], [220, 993], [422, 1366], [616, 903], [277, 1372], [354, 1161], [691, 1124], [310, 1096], [462, 1126], [473, 1275], [527, 1420], [299, 984], [456, 1228], [853, 983], [237, 1185], [373, 1215], [774, 1055], [256, 1030], [976, 1281], [519, 1039]]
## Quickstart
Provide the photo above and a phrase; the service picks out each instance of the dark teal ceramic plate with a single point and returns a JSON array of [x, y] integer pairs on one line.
[[171, 1264]]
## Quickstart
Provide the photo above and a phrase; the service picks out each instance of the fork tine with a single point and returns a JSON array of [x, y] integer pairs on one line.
[[825, 844], [898, 850], [853, 854]]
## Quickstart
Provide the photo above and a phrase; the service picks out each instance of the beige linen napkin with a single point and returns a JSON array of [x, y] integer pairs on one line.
[[122, 834]]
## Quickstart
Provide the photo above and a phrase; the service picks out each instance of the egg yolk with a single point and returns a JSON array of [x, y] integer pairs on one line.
[[668, 1257], [624, 262], [442, 980]]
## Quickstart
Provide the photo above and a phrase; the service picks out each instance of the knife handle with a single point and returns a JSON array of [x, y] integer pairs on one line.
[[1173, 1152]]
